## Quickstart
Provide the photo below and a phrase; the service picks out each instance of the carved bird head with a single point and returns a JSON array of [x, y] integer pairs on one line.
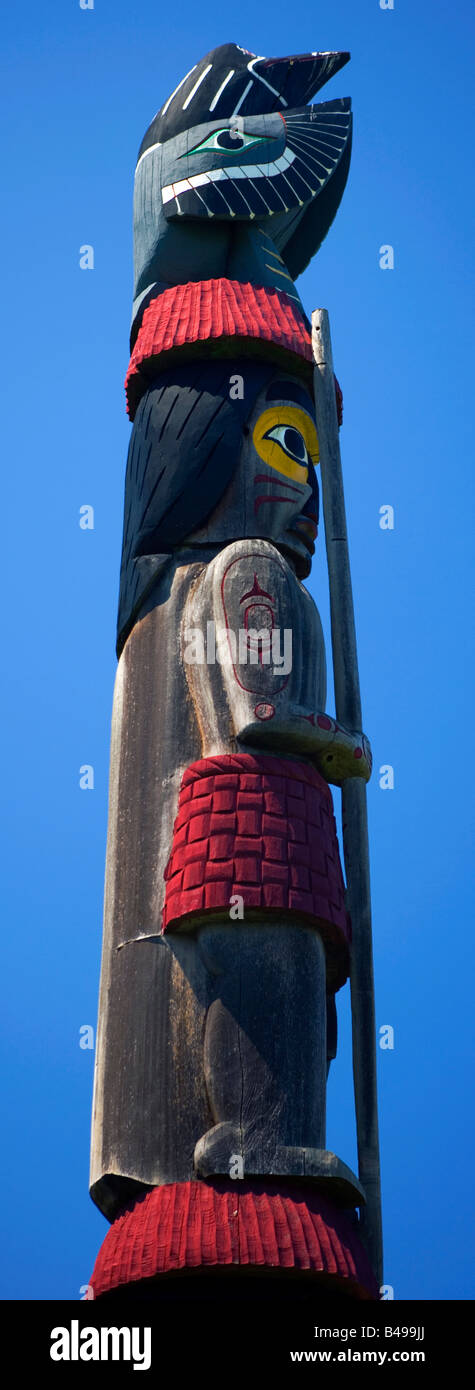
[[237, 144]]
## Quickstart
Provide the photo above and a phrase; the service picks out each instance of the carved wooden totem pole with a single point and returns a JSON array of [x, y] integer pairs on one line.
[[227, 928]]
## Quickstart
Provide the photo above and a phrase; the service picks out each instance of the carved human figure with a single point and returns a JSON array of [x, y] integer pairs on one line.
[[221, 678]]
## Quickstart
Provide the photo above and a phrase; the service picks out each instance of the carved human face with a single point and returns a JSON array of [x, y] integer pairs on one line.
[[273, 493], [285, 497]]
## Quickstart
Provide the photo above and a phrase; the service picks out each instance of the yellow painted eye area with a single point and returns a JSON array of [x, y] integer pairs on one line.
[[286, 439]]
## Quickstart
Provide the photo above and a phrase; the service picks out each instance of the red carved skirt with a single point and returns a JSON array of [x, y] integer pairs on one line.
[[262, 828]]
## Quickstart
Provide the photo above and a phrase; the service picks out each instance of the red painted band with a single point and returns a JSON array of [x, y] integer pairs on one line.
[[197, 1225], [213, 309]]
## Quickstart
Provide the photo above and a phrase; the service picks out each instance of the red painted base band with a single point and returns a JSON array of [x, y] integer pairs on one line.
[[197, 1225]]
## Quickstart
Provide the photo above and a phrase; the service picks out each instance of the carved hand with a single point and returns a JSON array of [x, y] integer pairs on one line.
[[337, 753]]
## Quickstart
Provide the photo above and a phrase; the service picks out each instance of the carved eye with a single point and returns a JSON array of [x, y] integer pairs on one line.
[[286, 439], [226, 141], [291, 441]]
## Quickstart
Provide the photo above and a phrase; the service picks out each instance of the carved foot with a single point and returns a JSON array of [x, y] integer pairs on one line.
[[226, 1151]]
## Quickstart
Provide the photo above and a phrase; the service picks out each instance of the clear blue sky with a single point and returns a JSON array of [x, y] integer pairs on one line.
[[79, 89]]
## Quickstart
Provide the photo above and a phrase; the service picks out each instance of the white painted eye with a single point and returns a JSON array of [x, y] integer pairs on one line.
[[291, 441]]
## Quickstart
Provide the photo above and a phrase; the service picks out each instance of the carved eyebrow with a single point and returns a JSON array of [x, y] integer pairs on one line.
[[289, 391]]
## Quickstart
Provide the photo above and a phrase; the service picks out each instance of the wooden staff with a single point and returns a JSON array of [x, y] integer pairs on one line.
[[354, 811]]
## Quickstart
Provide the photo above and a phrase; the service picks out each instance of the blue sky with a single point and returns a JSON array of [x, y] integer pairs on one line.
[[79, 89]]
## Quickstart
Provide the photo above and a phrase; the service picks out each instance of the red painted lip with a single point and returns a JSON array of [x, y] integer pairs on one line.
[[307, 523], [307, 530]]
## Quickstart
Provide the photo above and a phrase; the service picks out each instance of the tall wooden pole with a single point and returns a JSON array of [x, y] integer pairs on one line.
[[225, 922], [354, 811]]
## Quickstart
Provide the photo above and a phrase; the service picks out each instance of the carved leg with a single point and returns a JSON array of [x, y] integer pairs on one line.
[[264, 1045]]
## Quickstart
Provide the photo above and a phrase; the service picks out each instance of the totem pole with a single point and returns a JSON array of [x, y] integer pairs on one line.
[[227, 926]]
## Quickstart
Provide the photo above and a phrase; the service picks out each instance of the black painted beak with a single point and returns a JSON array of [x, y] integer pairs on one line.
[[299, 77]]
